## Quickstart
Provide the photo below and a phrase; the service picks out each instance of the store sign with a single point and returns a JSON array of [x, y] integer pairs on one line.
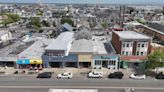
[[105, 57], [36, 61], [23, 61]]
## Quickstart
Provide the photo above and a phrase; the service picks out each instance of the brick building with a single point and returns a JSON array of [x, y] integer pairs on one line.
[[133, 48]]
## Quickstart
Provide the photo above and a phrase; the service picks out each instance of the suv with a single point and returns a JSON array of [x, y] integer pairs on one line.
[[44, 75], [95, 74], [117, 75], [159, 76]]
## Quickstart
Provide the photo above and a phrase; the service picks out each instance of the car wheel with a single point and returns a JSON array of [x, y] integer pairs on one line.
[[68, 77]]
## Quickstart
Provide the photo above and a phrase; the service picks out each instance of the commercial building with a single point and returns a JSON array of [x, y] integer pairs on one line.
[[32, 55], [57, 52], [109, 61], [154, 30], [104, 55], [132, 46], [156, 47], [84, 50]]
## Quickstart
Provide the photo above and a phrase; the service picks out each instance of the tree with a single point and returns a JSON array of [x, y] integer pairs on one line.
[[155, 59], [10, 18], [45, 23], [105, 24], [67, 20], [35, 22]]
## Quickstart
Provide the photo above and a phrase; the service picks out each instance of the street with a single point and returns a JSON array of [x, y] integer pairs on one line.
[[31, 84]]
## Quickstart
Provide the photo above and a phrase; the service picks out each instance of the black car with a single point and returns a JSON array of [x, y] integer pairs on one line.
[[116, 75], [159, 76], [44, 75]]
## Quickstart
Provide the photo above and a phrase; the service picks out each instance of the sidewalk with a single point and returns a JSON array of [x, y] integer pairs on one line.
[[105, 71], [76, 71]]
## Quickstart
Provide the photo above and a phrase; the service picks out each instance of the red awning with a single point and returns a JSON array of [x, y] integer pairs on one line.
[[133, 58]]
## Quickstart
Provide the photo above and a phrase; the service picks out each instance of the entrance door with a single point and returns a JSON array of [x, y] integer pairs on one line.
[[71, 64], [56, 64], [105, 64], [85, 64]]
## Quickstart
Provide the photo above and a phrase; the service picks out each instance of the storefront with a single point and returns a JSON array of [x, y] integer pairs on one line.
[[105, 61], [27, 63], [84, 60], [60, 61], [133, 62]]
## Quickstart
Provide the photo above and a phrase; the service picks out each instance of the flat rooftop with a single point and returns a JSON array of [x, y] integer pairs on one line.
[[157, 26], [131, 35], [82, 45], [3, 32], [36, 50], [157, 45], [61, 42]]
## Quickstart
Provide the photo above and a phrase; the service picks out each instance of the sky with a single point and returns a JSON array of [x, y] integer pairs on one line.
[[88, 1]]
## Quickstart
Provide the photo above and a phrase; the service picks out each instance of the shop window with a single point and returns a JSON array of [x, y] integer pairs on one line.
[[112, 62], [97, 62]]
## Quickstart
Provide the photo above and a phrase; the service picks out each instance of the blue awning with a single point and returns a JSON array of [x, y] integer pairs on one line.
[[23, 61]]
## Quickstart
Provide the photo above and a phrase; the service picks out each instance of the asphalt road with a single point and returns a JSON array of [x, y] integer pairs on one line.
[[32, 84]]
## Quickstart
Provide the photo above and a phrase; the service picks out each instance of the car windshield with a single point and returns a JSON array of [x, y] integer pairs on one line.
[[65, 74], [138, 74]]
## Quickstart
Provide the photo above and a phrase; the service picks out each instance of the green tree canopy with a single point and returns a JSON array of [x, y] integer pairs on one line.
[[67, 20], [10, 18], [155, 59], [105, 24], [35, 22]]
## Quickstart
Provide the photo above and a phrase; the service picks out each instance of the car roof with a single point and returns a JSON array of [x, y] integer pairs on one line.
[[66, 73], [97, 71], [139, 74]]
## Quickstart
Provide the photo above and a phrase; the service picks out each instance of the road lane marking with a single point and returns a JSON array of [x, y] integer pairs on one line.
[[97, 87]]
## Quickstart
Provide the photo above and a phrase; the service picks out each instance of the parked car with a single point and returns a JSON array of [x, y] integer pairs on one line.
[[116, 75], [159, 76], [137, 76], [65, 75], [45, 75], [95, 74]]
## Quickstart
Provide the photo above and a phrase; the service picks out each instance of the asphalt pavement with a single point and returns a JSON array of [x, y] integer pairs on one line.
[[23, 83]]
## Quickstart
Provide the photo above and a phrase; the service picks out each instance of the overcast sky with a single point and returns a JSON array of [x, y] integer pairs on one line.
[[88, 1]]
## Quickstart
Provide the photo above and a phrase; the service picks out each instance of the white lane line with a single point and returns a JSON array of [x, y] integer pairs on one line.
[[98, 87]]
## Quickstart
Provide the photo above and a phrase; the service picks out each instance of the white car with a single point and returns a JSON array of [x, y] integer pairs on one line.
[[95, 74], [137, 76], [65, 76]]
